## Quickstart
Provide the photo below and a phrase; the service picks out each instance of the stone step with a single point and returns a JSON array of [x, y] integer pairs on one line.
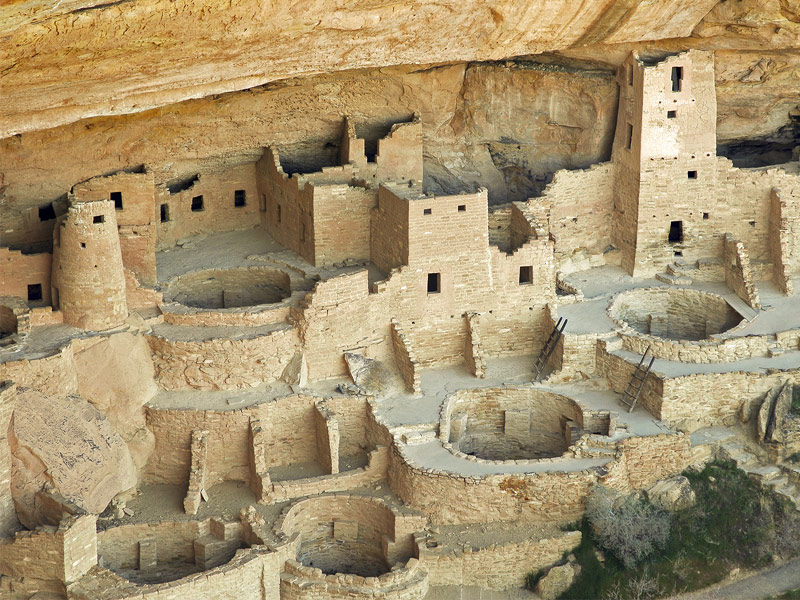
[[735, 452], [762, 473], [681, 269], [674, 279]]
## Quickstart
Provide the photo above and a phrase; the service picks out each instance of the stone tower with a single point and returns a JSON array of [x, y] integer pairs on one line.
[[88, 279], [665, 153]]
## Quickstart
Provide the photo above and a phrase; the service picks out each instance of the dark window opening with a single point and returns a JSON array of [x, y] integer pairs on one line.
[[427, 211], [99, 219], [279, 213], [263, 203], [462, 208], [34, 292], [525, 275], [677, 253], [629, 140], [117, 198], [83, 244], [630, 74], [705, 216], [434, 283], [671, 114], [676, 232], [677, 78], [691, 174], [239, 198], [164, 213], [197, 203], [47, 213]]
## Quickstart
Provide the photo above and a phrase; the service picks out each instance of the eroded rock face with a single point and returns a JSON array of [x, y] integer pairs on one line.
[[116, 377], [79, 58], [68, 444]]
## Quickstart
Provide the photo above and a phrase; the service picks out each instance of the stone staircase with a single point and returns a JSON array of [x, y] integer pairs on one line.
[[784, 480], [678, 273]]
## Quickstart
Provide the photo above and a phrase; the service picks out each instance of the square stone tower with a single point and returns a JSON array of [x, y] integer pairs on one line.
[[665, 153]]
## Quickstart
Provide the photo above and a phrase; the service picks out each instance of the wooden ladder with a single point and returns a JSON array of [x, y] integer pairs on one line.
[[548, 347], [636, 383]]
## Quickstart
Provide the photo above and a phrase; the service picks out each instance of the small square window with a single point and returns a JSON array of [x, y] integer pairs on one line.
[[117, 198], [525, 275], [164, 213], [47, 213], [427, 211], [691, 174], [434, 283], [197, 203], [462, 208], [83, 244], [239, 198], [705, 216], [671, 114], [34, 292], [99, 219]]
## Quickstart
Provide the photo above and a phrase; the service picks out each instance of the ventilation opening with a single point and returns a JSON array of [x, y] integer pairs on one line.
[[671, 114], [99, 219], [117, 198], [239, 198], [525, 275], [434, 283], [462, 208], [705, 216], [629, 140], [34, 292], [47, 213], [676, 232], [427, 211], [197, 203], [691, 174], [164, 213], [677, 79], [83, 244]]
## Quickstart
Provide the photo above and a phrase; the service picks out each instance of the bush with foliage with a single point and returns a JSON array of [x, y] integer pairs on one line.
[[629, 527]]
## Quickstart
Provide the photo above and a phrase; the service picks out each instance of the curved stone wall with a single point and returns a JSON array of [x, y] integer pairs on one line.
[[349, 534], [229, 288], [404, 582], [499, 424], [676, 314]]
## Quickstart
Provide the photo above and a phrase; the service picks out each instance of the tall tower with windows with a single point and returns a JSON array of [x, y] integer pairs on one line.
[[665, 153]]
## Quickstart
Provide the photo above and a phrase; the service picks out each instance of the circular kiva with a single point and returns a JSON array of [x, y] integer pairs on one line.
[[499, 424], [229, 288], [675, 314]]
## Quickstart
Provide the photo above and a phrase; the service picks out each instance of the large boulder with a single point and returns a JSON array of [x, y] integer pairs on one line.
[[65, 445], [116, 376], [556, 582], [674, 493]]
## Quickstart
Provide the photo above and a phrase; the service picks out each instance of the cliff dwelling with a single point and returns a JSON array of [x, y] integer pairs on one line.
[[379, 325]]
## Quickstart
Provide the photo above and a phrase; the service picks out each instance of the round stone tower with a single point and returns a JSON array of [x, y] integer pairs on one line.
[[88, 279]]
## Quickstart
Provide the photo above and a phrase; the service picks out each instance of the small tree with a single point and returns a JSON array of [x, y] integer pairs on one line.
[[628, 527]]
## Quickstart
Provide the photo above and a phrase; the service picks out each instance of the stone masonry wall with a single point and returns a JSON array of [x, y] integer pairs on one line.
[[221, 363], [18, 271], [218, 212]]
